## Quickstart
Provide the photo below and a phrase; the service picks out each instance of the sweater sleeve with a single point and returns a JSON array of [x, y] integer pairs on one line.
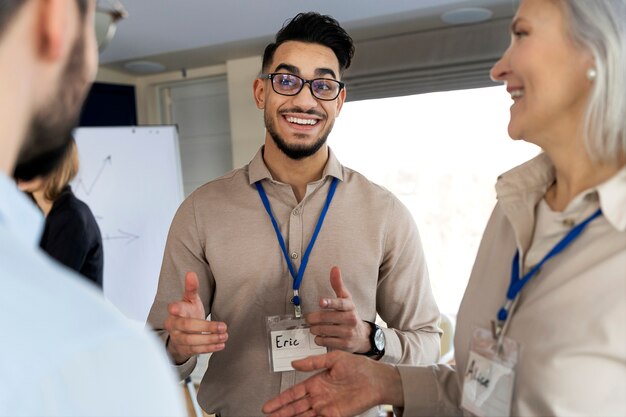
[[430, 391], [184, 252], [404, 296]]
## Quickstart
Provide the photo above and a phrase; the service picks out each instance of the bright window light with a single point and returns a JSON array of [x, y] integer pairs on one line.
[[440, 153]]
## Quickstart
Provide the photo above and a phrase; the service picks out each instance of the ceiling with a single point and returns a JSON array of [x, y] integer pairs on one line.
[[195, 33]]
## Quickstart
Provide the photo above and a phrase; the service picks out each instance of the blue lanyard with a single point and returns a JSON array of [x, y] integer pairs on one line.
[[517, 284], [297, 276]]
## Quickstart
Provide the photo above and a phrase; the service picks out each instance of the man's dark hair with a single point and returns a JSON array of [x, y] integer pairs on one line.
[[313, 27], [8, 8]]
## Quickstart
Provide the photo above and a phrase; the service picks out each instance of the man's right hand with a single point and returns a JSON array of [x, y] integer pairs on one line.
[[189, 332]]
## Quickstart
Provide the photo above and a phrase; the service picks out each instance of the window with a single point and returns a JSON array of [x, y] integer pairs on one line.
[[200, 110], [440, 154]]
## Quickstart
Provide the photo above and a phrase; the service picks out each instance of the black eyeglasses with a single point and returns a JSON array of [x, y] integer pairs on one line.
[[108, 13], [290, 85]]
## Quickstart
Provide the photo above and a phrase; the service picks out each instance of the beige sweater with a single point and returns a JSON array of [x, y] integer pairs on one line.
[[571, 317], [223, 233]]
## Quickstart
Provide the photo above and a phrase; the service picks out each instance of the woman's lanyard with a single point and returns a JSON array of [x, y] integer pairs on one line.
[[297, 276], [517, 284]]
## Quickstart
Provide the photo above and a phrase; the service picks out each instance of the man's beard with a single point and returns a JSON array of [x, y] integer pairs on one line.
[[295, 152], [50, 130]]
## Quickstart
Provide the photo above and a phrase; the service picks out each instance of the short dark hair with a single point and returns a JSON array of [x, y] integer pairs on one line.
[[312, 27], [8, 8]]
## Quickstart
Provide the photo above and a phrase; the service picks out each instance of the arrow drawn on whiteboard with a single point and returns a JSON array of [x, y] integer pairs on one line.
[[88, 190], [124, 235]]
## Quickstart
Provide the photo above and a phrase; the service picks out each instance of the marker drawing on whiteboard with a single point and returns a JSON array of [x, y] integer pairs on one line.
[[124, 235], [80, 184]]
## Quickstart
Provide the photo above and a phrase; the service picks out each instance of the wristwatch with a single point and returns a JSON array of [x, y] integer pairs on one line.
[[377, 340]]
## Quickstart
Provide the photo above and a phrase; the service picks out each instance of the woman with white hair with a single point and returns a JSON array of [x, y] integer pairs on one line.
[[541, 329]]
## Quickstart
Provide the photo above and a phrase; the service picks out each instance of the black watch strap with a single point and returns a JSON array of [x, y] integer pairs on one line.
[[375, 332]]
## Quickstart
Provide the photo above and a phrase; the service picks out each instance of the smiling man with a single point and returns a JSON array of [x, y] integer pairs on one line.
[[294, 252]]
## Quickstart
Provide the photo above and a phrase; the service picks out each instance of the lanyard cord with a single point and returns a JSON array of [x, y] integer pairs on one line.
[[297, 276], [517, 284]]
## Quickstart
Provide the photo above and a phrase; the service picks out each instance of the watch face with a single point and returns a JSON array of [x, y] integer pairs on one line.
[[379, 339]]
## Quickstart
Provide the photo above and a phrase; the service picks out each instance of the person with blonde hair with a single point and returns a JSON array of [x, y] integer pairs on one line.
[[71, 234], [540, 330]]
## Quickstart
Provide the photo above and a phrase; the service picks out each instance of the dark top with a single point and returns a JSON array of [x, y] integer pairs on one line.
[[71, 236]]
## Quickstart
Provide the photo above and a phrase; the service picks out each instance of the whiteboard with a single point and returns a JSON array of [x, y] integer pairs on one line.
[[130, 177]]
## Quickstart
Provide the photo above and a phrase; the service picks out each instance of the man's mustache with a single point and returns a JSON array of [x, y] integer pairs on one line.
[[310, 112]]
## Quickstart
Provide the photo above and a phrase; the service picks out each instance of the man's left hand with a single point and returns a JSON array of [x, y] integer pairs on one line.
[[338, 325]]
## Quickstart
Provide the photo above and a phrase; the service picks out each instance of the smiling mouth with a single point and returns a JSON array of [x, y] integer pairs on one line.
[[301, 122], [518, 93]]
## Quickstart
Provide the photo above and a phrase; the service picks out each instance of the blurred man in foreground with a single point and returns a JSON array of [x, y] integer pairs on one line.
[[65, 351]]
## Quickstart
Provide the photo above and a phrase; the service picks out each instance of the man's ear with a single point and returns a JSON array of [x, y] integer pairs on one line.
[[53, 29], [258, 90]]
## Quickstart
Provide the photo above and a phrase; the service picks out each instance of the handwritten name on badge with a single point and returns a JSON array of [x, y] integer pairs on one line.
[[289, 345], [487, 387], [285, 342], [474, 373]]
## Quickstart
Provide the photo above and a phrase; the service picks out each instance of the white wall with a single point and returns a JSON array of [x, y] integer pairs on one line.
[[246, 121], [106, 75]]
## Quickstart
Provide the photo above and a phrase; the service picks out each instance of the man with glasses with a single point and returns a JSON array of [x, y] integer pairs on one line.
[[64, 351], [255, 247]]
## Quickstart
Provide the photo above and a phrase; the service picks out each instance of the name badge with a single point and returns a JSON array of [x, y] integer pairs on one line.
[[490, 375], [289, 339]]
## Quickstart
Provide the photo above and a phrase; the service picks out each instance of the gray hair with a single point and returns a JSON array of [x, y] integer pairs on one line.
[[600, 27]]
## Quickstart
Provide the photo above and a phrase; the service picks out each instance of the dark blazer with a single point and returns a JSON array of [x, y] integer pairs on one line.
[[71, 236]]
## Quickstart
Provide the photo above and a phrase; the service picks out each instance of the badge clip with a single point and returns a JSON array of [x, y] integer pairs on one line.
[[296, 304]]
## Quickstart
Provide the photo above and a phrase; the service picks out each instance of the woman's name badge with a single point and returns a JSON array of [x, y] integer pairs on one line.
[[289, 339], [490, 375]]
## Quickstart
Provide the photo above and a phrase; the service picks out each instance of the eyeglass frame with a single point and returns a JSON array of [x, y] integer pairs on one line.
[[117, 12], [270, 76]]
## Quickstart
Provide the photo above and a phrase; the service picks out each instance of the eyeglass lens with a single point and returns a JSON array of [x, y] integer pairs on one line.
[[108, 12], [322, 88], [104, 21]]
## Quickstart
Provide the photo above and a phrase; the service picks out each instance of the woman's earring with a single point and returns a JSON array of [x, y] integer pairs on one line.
[[592, 73]]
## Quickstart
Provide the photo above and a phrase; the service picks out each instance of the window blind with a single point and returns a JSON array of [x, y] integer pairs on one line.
[[451, 58]]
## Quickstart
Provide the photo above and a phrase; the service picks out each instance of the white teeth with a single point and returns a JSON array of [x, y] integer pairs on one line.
[[517, 93], [302, 121]]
